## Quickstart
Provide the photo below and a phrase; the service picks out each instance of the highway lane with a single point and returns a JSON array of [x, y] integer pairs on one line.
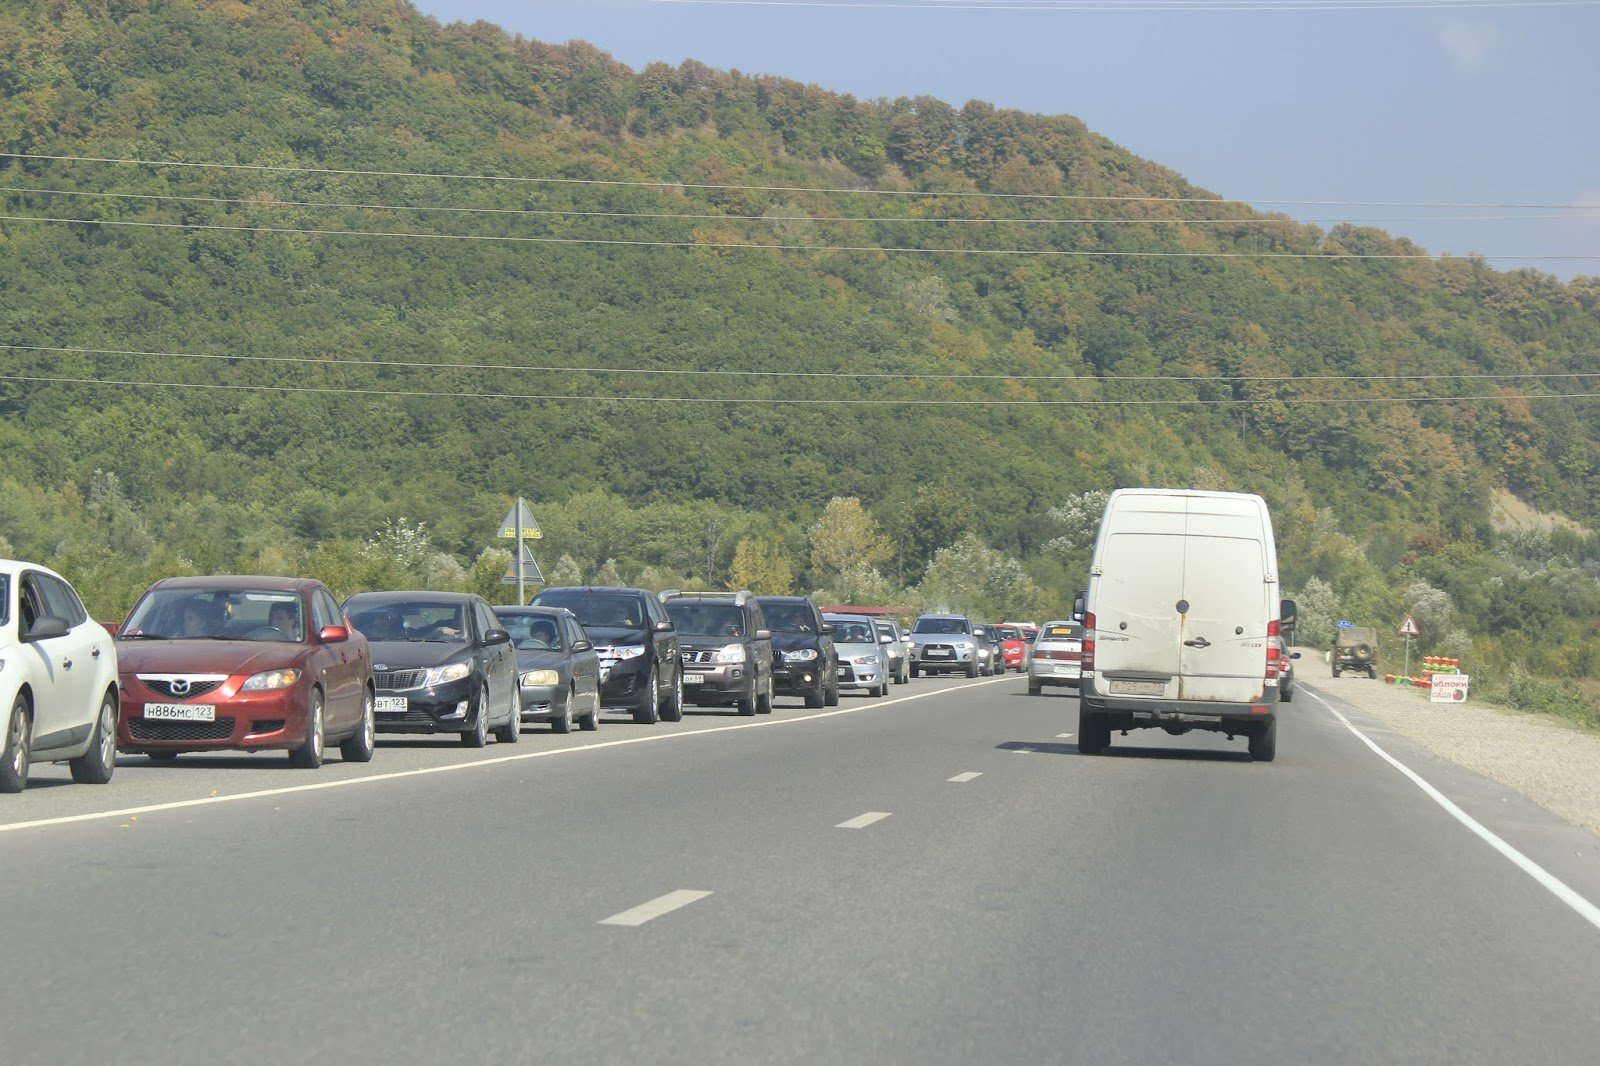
[[1169, 902]]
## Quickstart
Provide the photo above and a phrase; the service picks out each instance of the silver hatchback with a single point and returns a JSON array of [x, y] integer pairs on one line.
[[1057, 657]]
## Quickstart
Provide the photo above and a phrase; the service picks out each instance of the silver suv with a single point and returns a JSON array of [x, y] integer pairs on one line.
[[944, 643], [726, 648]]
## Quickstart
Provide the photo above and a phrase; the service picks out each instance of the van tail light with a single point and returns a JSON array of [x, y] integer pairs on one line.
[[1272, 650], [1088, 641]]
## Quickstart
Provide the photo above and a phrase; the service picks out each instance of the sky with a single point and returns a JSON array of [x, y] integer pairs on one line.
[[1409, 102]]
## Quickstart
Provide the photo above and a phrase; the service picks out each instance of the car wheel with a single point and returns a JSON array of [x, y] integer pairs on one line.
[[819, 697], [1094, 736], [1035, 689], [1284, 694], [764, 704], [358, 746], [1335, 669], [674, 711], [832, 699], [94, 766], [478, 735], [915, 672], [972, 669], [562, 723], [591, 721], [648, 712], [308, 756], [1372, 673], [747, 707], [14, 758], [1264, 741], [511, 732]]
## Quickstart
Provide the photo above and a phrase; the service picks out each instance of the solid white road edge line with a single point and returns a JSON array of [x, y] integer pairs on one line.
[[1557, 887], [861, 821], [963, 778], [635, 916], [349, 782]]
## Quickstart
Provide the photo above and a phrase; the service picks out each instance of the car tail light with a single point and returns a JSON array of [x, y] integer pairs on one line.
[[1272, 650], [1088, 640]]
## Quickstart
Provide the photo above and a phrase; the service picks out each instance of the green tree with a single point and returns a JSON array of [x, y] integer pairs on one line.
[[762, 567]]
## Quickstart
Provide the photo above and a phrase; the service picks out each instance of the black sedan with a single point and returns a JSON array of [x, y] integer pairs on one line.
[[442, 663], [558, 670]]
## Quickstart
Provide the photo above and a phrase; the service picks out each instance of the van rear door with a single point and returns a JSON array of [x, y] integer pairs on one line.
[[1223, 648]]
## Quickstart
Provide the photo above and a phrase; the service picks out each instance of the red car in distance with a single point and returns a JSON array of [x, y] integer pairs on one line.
[[243, 664], [1012, 646]]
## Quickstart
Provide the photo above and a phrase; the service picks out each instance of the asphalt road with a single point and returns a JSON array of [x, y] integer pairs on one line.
[[805, 887]]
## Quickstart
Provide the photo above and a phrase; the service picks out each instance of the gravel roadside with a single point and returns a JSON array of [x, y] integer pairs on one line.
[[1553, 763]]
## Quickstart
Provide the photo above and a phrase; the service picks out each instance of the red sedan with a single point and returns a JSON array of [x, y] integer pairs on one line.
[[243, 664], [1012, 646]]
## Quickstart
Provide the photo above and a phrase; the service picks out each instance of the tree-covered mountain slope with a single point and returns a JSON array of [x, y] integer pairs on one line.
[[425, 268]]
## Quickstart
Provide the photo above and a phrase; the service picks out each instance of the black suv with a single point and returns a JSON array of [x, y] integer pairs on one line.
[[639, 665], [803, 660], [727, 648]]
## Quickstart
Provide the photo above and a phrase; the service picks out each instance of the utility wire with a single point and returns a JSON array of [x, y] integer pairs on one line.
[[785, 401], [711, 216], [746, 246], [824, 374], [670, 184]]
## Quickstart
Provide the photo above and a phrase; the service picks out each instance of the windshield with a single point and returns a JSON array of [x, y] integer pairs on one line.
[[788, 617], [1061, 631], [597, 608], [217, 614], [532, 632], [706, 619], [1008, 632], [439, 623], [849, 632], [940, 625]]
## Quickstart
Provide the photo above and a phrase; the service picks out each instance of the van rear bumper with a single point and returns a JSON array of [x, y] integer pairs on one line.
[[1192, 712]]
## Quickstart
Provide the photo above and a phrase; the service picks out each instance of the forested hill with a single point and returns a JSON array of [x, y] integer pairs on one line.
[[442, 259]]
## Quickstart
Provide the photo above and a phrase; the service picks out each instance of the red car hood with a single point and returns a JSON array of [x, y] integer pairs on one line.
[[204, 656]]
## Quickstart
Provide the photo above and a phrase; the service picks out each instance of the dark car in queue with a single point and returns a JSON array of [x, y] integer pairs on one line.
[[558, 670], [804, 662], [637, 644], [243, 664], [443, 664]]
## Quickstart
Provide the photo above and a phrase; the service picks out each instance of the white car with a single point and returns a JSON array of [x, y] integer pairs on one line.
[[1056, 657], [58, 680], [862, 662]]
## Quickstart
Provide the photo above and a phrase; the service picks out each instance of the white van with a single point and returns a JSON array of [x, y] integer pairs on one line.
[[1181, 610]]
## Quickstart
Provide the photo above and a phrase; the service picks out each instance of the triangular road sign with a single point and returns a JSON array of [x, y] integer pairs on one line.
[[508, 524], [1409, 627], [531, 574]]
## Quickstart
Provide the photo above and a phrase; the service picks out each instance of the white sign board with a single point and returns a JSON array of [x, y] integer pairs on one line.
[[1408, 628], [1449, 688]]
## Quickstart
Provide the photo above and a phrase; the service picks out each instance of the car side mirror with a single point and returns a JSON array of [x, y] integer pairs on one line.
[[496, 636], [582, 645], [1294, 655], [663, 627], [827, 629], [46, 627], [885, 639], [763, 634], [333, 634]]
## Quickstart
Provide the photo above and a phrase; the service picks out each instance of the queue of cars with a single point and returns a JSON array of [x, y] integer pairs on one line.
[[239, 663]]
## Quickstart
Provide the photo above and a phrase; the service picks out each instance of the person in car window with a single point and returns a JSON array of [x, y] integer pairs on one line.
[[285, 619]]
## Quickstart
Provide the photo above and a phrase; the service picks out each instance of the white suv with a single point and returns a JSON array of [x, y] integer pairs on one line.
[[58, 680]]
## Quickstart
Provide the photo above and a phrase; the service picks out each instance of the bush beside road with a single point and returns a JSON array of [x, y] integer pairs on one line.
[[1550, 760]]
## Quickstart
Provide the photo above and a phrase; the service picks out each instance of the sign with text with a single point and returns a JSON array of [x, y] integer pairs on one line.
[[1449, 688]]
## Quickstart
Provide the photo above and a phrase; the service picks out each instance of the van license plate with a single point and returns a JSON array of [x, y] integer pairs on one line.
[[1139, 688]]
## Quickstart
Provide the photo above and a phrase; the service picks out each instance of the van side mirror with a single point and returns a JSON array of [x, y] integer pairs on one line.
[[1079, 600]]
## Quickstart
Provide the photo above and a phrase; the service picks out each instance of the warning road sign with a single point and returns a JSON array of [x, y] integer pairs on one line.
[[1408, 628]]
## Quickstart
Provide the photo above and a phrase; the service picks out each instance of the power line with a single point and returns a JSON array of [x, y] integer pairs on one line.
[[1142, 6], [744, 246], [830, 375], [671, 184], [713, 216], [786, 400]]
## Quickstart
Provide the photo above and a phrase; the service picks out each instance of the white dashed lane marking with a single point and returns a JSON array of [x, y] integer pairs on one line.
[[962, 779], [644, 912], [861, 821]]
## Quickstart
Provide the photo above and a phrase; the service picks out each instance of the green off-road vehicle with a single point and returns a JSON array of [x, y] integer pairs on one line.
[[1356, 648]]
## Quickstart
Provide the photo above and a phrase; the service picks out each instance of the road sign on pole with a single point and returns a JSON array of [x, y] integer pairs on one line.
[[523, 569], [1408, 628], [518, 523]]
